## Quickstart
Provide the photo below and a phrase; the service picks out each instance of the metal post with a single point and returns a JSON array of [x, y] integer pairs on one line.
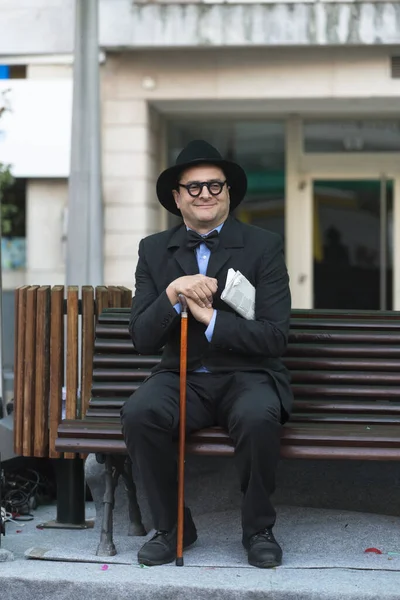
[[2, 398], [85, 205], [71, 490]]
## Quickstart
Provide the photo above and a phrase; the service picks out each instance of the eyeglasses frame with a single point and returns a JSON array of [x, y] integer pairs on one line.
[[202, 184]]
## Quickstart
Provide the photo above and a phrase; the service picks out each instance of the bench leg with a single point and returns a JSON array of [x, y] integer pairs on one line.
[[135, 517], [106, 546], [71, 492]]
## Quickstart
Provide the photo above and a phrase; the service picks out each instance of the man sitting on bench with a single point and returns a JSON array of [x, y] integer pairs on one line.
[[235, 378]]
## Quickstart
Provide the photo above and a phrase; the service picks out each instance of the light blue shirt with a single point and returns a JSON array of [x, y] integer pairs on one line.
[[203, 256]]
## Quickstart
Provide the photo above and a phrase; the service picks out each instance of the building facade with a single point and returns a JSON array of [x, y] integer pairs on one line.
[[305, 95]]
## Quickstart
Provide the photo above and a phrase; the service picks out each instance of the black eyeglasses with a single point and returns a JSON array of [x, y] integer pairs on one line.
[[195, 188]]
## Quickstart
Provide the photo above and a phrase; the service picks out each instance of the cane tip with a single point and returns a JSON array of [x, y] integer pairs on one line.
[[179, 562]]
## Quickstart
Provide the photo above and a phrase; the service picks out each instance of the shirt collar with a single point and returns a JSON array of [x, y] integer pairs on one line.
[[208, 232]]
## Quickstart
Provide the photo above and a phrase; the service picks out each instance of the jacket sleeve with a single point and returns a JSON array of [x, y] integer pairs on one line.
[[267, 335], [152, 314]]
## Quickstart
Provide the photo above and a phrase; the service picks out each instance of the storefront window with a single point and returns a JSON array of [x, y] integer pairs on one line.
[[352, 270], [259, 147], [351, 136]]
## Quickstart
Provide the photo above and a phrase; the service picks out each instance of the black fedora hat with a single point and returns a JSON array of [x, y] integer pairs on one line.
[[199, 152]]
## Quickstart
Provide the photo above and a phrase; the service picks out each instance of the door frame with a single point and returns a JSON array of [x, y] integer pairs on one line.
[[301, 171]]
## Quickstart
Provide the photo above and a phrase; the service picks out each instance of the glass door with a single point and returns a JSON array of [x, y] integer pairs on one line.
[[353, 244]]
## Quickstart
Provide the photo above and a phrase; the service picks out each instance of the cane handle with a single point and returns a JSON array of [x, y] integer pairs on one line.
[[183, 303]]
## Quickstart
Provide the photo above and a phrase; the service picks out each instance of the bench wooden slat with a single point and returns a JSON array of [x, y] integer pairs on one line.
[[307, 350], [363, 391], [86, 446], [127, 388], [117, 375], [327, 363], [339, 453], [135, 361], [104, 388], [293, 452], [113, 345], [17, 405], [19, 367], [115, 330], [343, 337], [101, 294], [56, 364], [367, 418], [327, 405], [351, 314], [369, 377], [120, 315], [114, 296], [335, 317], [322, 405], [71, 408], [336, 377], [29, 371], [327, 350], [126, 297], [351, 332], [131, 361], [87, 345], [327, 324], [42, 368], [327, 433]]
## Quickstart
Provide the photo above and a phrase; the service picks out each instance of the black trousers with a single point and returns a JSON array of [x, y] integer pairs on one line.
[[245, 403]]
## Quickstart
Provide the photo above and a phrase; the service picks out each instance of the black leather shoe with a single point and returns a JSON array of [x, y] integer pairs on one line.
[[263, 550], [161, 549]]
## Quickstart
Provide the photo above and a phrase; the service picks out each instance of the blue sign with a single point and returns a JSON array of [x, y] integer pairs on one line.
[[4, 72]]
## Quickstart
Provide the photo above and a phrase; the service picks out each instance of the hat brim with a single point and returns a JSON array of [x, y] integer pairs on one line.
[[235, 176]]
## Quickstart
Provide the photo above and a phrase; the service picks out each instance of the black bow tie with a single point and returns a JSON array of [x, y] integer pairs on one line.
[[195, 239]]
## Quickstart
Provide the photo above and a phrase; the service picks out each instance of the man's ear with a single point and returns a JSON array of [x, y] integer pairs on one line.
[[176, 197]]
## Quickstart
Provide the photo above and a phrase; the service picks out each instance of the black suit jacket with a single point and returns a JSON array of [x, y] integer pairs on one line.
[[237, 344]]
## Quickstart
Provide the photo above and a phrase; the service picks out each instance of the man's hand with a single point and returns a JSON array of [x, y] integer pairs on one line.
[[203, 315], [198, 288]]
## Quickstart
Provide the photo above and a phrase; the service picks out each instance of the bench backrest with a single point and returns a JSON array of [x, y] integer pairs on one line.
[[345, 365]]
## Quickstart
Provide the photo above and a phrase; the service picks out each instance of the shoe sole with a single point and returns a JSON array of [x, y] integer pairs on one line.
[[266, 564]]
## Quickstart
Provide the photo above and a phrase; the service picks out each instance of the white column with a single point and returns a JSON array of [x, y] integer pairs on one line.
[[132, 157], [46, 200], [298, 220]]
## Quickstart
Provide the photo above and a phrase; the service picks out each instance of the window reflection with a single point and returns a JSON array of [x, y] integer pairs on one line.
[[351, 136]]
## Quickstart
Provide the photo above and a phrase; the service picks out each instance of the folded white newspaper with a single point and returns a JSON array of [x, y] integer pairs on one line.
[[239, 294]]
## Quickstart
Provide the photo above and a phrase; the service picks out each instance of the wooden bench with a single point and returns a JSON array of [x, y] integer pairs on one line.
[[345, 369]]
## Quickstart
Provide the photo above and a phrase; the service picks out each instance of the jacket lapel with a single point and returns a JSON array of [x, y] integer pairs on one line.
[[231, 237], [185, 258]]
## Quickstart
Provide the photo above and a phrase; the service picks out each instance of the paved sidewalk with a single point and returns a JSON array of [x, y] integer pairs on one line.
[[324, 557]]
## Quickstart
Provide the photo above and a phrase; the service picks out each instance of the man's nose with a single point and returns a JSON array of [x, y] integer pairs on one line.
[[205, 192]]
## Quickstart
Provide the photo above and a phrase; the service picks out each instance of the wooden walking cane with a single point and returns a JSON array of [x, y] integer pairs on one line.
[[182, 430]]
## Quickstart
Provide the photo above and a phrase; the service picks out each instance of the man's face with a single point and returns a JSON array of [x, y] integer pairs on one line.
[[203, 209]]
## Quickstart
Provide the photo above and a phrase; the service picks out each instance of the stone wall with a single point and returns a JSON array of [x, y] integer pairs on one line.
[[46, 26]]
